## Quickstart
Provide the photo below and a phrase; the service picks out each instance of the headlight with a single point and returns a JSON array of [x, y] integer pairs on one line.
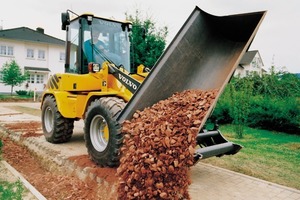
[[94, 67]]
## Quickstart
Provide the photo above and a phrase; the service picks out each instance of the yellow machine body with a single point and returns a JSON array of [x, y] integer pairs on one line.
[[101, 86], [73, 92]]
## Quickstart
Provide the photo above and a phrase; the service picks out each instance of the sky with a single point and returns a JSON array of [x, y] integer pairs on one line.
[[277, 40]]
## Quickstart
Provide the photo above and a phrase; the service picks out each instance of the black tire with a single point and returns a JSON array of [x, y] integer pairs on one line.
[[103, 137], [56, 128]]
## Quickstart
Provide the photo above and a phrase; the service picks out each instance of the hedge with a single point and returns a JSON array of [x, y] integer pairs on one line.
[[265, 112]]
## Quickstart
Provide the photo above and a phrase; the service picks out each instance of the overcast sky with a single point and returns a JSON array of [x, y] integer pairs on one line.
[[278, 38]]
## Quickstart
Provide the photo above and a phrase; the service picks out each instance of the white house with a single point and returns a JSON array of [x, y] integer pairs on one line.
[[251, 63], [33, 50]]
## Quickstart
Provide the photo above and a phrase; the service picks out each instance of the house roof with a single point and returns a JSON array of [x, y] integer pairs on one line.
[[37, 69], [27, 34], [248, 57]]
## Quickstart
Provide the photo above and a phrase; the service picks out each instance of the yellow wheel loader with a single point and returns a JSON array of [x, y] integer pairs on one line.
[[99, 86]]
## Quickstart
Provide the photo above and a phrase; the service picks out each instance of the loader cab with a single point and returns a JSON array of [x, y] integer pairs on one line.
[[95, 39]]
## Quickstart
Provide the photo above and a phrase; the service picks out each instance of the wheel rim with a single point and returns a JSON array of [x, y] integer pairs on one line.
[[48, 119], [99, 133]]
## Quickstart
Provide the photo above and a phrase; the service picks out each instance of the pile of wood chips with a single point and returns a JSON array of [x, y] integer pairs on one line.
[[159, 145]]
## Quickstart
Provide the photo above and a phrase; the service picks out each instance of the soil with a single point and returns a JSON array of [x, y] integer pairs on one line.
[[16, 99], [52, 184]]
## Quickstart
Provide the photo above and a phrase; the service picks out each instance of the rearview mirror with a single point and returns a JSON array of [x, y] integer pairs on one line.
[[65, 20]]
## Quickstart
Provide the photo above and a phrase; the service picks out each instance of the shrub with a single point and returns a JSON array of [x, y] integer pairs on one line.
[[268, 108], [31, 93], [21, 92], [221, 112], [240, 93], [274, 114]]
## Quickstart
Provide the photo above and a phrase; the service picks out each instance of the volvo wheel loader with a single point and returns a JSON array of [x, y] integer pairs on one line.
[[99, 87]]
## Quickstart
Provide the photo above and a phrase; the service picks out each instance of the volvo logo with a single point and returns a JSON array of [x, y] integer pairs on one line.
[[127, 82]]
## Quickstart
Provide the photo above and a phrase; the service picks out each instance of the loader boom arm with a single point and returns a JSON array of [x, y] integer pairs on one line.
[[129, 82]]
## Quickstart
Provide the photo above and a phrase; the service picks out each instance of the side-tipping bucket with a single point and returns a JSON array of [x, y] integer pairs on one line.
[[203, 55]]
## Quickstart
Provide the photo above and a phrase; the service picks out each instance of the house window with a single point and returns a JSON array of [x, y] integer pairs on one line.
[[3, 50], [6, 50], [61, 56], [30, 53], [36, 78], [259, 61], [255, 63], [10, 51], [42, 78], [31, 78], [41, 54]]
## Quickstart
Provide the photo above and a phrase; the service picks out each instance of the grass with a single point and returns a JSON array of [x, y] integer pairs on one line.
[[267, 155], [8, 97], [11, 191]]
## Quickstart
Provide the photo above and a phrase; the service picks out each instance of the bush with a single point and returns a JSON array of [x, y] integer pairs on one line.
[[21, 92], [30, 93], [221, 112], [274, 105], [265, 112], [274, 114]]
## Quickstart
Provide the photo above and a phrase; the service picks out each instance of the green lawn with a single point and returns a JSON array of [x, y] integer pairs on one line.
[[267, 155], [12, 98]]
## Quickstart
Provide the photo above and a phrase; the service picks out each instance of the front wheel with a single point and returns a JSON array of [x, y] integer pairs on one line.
[[103, 137], [56, 128]]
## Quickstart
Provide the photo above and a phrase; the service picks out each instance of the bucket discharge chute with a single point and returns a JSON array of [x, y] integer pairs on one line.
[[203, 55]]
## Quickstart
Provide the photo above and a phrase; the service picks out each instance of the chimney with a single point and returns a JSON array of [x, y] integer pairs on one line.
[[40, 30]]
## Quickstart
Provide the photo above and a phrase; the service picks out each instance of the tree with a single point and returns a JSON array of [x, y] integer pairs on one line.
[[11, 74], [240, 92], [148, 43], [275, 84]]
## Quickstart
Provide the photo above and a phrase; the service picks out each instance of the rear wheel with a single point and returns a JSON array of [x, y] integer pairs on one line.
[[56, 128], [102, 131]]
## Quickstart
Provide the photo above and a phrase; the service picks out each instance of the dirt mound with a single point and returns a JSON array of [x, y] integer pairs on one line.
[[159, 145], [52, 185]]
